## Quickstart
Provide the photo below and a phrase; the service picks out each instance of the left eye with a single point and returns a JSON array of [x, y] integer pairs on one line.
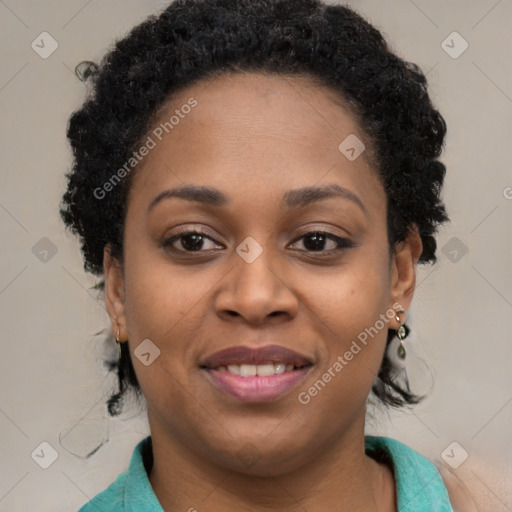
[[318, 239]]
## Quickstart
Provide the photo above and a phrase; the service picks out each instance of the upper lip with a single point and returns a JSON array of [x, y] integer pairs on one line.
[[262, 355]]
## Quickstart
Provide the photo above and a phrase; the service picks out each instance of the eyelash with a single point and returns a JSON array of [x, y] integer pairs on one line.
[[342, 243]]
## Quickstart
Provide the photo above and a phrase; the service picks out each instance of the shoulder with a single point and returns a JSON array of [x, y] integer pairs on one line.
[[460, 497], [421, 480]]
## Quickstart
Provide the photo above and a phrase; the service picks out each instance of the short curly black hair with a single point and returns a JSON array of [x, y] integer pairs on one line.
[[199, 39]]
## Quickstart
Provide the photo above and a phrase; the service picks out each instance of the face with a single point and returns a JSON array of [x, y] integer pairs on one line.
[[257, 273]]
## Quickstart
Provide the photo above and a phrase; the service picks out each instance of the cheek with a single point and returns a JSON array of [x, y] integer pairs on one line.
[[168, 305], [160, 296], [354, 308], [354, 297], [163, 306]]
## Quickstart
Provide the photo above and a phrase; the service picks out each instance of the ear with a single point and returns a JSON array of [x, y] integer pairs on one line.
[[403, 268], [114, 293]]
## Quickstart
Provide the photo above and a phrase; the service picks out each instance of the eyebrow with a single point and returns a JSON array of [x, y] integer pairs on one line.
[[295, 198]]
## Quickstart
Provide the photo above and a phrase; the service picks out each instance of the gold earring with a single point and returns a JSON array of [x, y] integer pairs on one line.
[[401, 334]]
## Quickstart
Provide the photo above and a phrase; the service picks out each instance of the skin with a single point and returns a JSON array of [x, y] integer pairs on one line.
[[254, 137]]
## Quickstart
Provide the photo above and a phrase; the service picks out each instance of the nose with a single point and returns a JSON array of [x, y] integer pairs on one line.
[[256, 292]]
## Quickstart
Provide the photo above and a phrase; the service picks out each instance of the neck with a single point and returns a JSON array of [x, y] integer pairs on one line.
[[341, 478]]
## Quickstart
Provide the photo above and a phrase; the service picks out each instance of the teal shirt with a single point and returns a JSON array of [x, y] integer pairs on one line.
[[419, 486]]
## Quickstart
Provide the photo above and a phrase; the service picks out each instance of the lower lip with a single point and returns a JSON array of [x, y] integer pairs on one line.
[[257, 389]]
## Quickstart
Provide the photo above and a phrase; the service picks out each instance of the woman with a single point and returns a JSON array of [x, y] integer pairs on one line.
[[257, 182]]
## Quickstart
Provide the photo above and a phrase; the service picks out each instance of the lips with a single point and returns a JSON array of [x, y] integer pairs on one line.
[[256, 375], [241, 355]]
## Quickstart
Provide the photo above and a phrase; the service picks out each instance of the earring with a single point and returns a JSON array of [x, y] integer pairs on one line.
[[401, 334], [118, 343]]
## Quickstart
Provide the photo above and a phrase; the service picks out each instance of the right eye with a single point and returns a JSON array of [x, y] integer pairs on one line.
[[191, 241]]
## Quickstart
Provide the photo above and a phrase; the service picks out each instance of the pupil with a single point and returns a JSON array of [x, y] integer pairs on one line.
[[318, 237], [195, 245]]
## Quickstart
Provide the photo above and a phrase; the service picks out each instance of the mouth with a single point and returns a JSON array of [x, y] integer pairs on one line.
[[256, 375]]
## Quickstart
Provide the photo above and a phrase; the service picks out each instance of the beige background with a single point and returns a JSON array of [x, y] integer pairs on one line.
[[53, 385]]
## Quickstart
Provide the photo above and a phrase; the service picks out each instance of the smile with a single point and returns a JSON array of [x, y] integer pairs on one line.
[[256, 375]]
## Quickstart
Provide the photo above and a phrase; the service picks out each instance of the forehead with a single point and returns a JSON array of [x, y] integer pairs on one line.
[[254, 132]]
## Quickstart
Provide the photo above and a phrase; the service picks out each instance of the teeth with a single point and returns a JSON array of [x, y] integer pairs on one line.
[[262, 370], [280, 367], [248, 370]]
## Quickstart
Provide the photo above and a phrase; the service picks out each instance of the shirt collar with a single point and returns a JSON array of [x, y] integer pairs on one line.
[[138, 493]]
